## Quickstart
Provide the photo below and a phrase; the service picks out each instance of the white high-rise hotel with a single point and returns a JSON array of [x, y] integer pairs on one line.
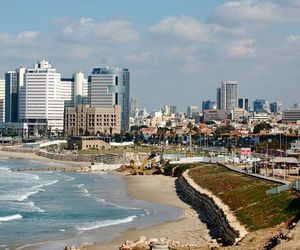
[[41, 99]]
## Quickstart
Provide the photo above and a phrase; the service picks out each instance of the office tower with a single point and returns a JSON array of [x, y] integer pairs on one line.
[[173, 109], [133, 105], [244, 103], [229, 95], [13, 81], [109, 87], [166, 110], [2, 101], [219, 96], [276, 107], [42, 102], [191, 110], [74, 90], [208, 105], [261, 105]]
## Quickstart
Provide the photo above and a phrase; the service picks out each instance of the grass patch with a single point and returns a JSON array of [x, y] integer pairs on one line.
[[246, 196]]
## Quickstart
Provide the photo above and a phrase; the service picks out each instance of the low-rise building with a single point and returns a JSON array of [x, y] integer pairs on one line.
[[89, 142], [214, 115], [86, 120]]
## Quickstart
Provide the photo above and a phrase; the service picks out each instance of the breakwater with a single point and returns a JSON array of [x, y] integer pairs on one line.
[[222, 223]]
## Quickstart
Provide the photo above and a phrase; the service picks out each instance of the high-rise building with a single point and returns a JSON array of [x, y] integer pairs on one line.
[[244, 103], [13, 81], [276, 107], [229, 95], [219, 97], [173, 109], [42, 99], [208, 105], [75, 90], [133, 105], [261, 105], [2, 101], [109, 87], [191, 110]]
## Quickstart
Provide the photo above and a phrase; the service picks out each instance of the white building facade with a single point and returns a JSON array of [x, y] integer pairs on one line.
[[2, 101], [41, 99]]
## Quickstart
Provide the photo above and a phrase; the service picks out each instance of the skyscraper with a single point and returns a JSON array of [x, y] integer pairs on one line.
[[133, 105], [229, 95], [219, 96], [244, 103], [13, 81], [208, 105], [261, 105], [42, 101], [191, 110], [75, 90], [2, 101], [109, 87], [276, 107]]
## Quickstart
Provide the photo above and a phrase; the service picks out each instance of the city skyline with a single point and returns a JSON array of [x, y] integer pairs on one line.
[[177, 53]]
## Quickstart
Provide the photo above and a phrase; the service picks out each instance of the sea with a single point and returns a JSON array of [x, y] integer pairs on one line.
[[49, 210]]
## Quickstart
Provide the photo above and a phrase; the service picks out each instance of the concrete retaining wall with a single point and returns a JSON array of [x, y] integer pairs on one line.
[[221, 221], [104, 158]]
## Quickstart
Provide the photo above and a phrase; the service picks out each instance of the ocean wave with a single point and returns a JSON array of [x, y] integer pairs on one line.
[[11, 217], [104, 223], [80, 185], [5, 169], [71, 179], [31, 207]]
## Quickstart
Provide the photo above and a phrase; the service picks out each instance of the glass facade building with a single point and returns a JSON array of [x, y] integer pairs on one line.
[[109, 87]]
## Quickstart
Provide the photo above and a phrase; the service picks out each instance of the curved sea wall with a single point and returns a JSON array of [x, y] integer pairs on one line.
[[222, 223], [104, 158]]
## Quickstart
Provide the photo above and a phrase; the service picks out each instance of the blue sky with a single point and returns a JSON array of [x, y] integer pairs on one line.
[[177, 51]]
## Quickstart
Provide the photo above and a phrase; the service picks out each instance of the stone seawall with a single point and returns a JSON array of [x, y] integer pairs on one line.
[[103, 158], [222, 223]]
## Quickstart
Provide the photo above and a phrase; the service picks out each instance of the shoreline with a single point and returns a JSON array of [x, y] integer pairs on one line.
[[158, 189]]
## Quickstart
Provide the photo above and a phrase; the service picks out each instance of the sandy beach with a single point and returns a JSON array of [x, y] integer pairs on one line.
[[161, 190], [158, 189]]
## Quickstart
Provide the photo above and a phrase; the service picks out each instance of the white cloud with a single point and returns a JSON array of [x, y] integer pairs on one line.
[[88, 31], [261, 11], [293, 38], [241, 48], [138, 57], [184, 27], [23, 39]]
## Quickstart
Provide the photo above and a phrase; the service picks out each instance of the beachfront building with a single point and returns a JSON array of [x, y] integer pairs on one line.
[[110, 87], [75, 90], [229, 95], [2, 101], [41, 101], [86, 120], [89, 142], [13, 81]]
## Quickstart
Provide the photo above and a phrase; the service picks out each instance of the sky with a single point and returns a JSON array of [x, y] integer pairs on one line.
[[177, 51]]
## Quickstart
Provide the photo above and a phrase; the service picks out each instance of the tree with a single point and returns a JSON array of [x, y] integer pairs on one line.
[[261, 126]]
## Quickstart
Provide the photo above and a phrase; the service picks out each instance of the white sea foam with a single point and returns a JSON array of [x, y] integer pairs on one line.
[[21, 194], [80, 185], [104, 223], [31, 207], [71, 179], [11, 218], [6, 169]]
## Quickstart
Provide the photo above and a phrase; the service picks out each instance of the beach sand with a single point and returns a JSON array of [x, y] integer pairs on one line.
[[160, 189], [157, 189]]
